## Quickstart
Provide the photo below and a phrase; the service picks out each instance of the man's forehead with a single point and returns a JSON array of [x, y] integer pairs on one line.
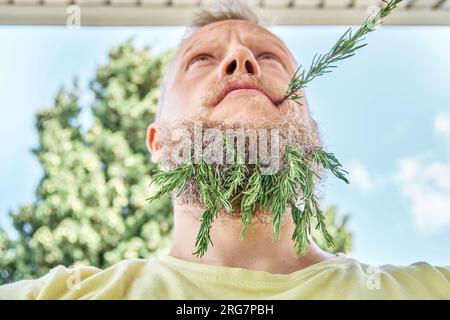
[[245, 28]]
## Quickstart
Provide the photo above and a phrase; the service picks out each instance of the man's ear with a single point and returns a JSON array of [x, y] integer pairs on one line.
[[153, 143]]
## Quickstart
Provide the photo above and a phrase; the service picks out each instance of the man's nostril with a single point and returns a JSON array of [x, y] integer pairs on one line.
[[231, 67], [249, 67]]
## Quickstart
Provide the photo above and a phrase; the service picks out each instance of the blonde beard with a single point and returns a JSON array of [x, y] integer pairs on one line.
[[301, 135]]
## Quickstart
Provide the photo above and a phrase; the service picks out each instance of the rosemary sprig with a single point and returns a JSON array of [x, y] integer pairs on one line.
[[344, 48], [299, 236], [213, 197], [169, 180], [305, 178], [268, 185], [236, 173], [286, 189], [203, 236], [209, 182], [329, 161], [249, 199]]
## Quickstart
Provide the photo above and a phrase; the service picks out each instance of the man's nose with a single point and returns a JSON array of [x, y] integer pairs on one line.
[[239, 62]]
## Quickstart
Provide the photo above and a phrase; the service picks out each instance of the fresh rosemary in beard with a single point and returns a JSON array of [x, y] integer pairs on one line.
[[273, 193]]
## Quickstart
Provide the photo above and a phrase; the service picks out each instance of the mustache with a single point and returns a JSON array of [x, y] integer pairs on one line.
[[218, 90]]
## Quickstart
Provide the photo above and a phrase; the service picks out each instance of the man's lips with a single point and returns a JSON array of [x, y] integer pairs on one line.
[[241, 85]]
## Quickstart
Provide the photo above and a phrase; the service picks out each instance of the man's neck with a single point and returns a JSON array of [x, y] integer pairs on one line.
[[256, 251]]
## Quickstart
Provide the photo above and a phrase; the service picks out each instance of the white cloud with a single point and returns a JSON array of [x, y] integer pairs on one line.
[[442, 123], [422, 179], [359, 177], [427, 185], [363, 179]]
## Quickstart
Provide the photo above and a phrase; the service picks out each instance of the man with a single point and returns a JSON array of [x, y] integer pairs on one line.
[[228, 72]]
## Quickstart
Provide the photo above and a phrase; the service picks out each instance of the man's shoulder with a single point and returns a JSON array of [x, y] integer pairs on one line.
[[417, 280], [81, 282], [416, 268], [420, 271]]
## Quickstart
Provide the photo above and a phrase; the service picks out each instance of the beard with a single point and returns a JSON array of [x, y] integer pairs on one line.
[[260, 143]]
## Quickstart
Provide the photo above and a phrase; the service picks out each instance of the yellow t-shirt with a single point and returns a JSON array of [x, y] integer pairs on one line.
[[167, 277]]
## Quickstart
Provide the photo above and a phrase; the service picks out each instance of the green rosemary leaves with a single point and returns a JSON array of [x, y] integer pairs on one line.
[[246, 185]]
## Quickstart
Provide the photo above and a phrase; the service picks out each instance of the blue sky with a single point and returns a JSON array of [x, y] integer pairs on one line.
[[385, 113]]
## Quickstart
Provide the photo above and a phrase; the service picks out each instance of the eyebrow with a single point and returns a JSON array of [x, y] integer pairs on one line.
[[195, 45], [280, 45]]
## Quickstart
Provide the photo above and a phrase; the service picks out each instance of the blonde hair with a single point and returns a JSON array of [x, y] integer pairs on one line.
[[226, 10], [211, 12]]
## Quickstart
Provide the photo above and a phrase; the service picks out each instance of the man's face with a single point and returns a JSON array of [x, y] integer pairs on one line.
[[229, 71], [230, 55]]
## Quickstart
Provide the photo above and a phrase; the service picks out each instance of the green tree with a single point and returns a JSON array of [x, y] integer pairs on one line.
[[338, 230], [90, 206]]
